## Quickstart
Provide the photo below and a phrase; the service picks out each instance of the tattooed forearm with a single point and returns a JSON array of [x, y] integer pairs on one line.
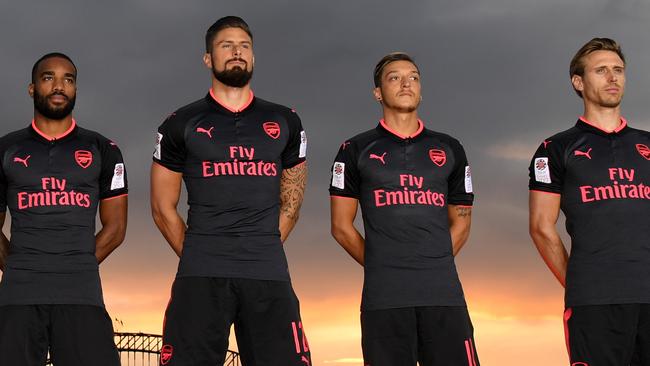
[[463, 211], [292, 190]]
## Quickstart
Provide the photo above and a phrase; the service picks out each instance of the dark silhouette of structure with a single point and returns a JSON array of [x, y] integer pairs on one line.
[[141, 349]]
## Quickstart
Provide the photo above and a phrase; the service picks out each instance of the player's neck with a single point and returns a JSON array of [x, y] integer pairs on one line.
[[405, 124], [52, 127], [607, 119], [233, 98]]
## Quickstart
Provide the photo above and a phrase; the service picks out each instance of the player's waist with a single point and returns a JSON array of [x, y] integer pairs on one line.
[[62, 262]]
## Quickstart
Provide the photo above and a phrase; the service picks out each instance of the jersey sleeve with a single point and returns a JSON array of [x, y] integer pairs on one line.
[[460, 189], [345, 174], [3, 187], [296, 150], [170, 150], [546, 170], [112, 181]]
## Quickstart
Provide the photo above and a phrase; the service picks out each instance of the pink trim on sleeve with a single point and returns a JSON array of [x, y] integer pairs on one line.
[[119, 195], [537, 190]]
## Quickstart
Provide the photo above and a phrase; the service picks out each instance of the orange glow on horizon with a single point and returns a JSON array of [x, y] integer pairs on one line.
[[503, 338]]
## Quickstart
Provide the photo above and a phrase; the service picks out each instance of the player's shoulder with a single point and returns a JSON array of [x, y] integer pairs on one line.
[[567, 135], [14, 137], [562, 140], [95, 138], [364, 138], [640, 132], [264, 106], [443, 137], [188, 111]]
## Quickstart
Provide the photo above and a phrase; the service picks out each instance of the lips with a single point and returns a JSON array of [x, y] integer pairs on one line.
[[58, 98]]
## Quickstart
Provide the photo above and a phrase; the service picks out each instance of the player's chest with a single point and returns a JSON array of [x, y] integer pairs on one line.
[[56, 166], [421, 165], [250, 138], [605, 161]]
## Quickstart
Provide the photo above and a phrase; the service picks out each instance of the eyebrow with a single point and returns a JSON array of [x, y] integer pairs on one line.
[[394, 71], [230, 41], [51, 73]]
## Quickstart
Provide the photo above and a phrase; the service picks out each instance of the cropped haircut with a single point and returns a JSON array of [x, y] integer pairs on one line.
[[229, 21], [389, 58], [47, 57], [577, 66]]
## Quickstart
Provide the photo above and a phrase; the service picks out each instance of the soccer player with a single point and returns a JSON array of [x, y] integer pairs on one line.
[[53, 177], [415, 190], [243, 162], [598, 173]]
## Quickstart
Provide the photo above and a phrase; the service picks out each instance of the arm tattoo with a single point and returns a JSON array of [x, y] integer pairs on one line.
[[292, 190], [463, 211]]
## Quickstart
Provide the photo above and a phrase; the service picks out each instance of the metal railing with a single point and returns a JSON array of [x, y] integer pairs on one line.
[[142, 349]]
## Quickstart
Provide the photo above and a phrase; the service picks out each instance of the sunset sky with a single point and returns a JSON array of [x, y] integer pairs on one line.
[[494, 75]]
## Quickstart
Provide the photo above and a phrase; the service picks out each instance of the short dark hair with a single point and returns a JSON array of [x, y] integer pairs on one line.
[[229, 21], [577, 65], [389, 58], [49, 56]]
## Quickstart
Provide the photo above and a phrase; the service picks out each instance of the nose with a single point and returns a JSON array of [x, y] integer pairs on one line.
[[237, 50], [406, 82], [612, 76], [58, 84]]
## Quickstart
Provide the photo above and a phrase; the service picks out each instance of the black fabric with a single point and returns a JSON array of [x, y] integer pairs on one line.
[[52, 189], [608, 335], [404, 187], [266, 315], [232, 163], [431, 336], [603, 181], [76, 335]]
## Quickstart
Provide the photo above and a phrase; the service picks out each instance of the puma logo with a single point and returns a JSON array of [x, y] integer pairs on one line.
[[203, 130], [23, 161], [582, 153], [380, 158]]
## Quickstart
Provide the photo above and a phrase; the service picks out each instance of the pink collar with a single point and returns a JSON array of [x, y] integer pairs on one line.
[[387, 128], [618, 129], [250, 100], [52, 138]]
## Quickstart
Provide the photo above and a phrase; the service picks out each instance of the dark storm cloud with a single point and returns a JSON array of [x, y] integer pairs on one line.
[[494, 76]]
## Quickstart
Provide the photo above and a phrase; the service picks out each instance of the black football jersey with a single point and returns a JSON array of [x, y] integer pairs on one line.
[[404, 185], [602, 178], [52, 187], [232, 162]]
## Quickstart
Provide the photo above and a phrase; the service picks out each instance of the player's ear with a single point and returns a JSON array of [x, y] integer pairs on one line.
[[576, 80], [207, 60], [30, 90], [377, 93]]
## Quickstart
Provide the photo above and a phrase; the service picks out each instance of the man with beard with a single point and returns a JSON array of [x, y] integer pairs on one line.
[[415, 190], [243, 162], [598, 173], [53, 177]]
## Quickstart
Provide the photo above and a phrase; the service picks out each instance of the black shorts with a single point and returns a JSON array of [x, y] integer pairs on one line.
[[608, 335], [430, 335], [266, 316], [76, 335]]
